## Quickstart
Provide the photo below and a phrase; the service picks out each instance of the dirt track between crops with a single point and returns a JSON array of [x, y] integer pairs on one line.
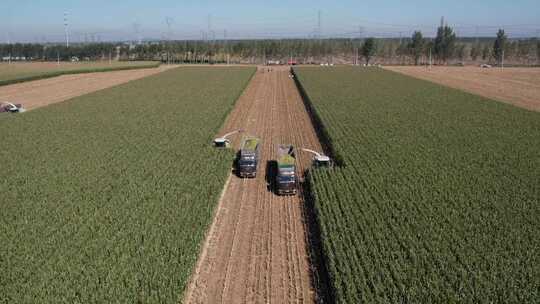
[[257, 248], [40, 93], [517, 86]]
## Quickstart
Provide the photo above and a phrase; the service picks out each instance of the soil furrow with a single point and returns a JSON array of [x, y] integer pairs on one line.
[[258, 253]]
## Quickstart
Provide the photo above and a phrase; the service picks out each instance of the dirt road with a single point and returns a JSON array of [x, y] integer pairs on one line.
[[518, 86], [39, 93], [257, 251]]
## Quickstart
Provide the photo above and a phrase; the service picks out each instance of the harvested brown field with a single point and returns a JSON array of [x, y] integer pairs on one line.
[[517, 86], [257, 249], [28, 70], [39, 93]]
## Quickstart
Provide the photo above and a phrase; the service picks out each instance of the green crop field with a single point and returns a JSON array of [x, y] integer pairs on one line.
[[21, 72], [438, 198], [106, 198]]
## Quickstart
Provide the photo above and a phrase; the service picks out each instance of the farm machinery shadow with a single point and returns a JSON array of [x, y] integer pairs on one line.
[[270, 176], [319, 274]]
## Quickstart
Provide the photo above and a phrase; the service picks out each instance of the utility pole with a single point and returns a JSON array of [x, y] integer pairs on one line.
[[9, 45], [226, 46], [360, 32], [169, 21], [208, 38], [66, 24], [319, 29]]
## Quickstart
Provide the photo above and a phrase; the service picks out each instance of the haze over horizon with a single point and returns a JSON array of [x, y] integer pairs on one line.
[[100, 20]]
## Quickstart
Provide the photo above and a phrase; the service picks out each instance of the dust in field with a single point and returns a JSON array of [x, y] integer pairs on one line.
[[517, 86], [257, 250], [40, 93]]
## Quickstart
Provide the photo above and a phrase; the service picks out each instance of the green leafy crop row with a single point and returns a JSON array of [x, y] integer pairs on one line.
[[106, 198], [438, 200]]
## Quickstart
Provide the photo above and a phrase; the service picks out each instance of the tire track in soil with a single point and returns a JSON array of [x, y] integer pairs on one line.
[[257, 251]]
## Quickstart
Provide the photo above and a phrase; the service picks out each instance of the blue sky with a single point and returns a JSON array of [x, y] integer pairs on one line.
[[42, 20]]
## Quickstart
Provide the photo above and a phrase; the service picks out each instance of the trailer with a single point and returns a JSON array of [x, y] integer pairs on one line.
[[286, 180], [248, 158]]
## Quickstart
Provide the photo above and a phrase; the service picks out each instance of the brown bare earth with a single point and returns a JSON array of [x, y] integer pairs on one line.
[[517, 86], [257, 248], [39, 93]]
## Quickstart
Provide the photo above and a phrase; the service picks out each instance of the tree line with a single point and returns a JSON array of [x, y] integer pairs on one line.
[[445, 48]]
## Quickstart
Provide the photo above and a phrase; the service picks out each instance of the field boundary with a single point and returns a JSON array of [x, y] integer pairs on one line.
[[317, 252], [74, 72], [190, 287], [233, 105], [320, 128], [201, 257], [317, 255]]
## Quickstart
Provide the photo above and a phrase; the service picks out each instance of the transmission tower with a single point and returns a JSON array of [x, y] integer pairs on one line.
[[137, 29], [66, 25], [209, 30], [169, 21], [319, 28]]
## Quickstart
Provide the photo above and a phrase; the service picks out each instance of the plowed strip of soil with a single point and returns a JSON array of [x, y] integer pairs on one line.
[[40, 93], [257, 250], [517, 86]]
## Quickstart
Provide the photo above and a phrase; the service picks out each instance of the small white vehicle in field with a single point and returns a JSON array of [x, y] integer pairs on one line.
[[11, 108], [485, 66]]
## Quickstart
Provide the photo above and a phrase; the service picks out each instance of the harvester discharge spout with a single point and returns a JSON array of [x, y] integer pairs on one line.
[[224, 142], [319, 159]]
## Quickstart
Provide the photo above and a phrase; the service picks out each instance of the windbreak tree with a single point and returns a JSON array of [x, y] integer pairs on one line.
[[499, 45], [461, 52], [486, 52], [445, 43], [538, 51], [475, 51], [368, 49], [416, 46]]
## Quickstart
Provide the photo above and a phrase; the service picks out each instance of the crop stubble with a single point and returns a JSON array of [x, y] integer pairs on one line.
[[517, 86], [257, 250], [40, 93]]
